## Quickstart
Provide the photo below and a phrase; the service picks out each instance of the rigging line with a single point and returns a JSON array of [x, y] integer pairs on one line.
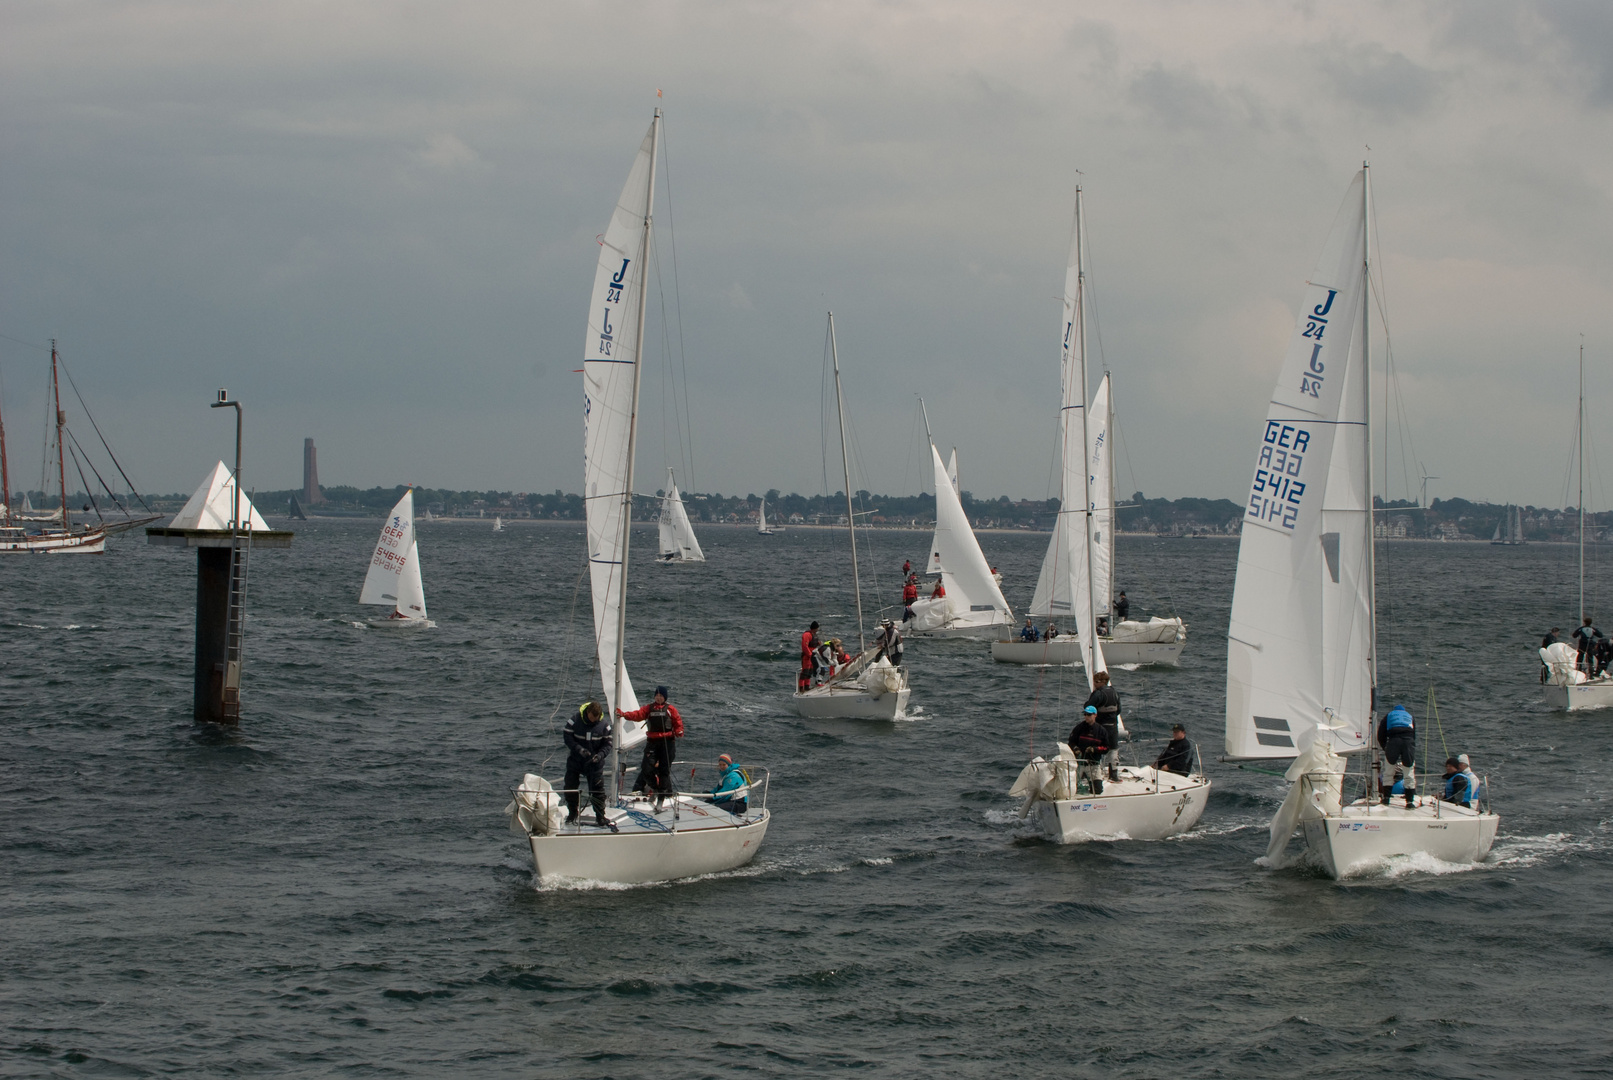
[[666, 349], [823, 417], [110, 493], [87, 492], [563, 695], [30, 344], [91, 417], [677, 304]]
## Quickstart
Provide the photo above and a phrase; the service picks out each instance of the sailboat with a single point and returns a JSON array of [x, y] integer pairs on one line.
[[689, 836], [18, 531], [678, 543], [393, 579], [498, 523], [762, 527], [1302, 642], [1567, 688], [1145, 803], [869, 687], [972, 604], [1129, 642], [1509, 530]]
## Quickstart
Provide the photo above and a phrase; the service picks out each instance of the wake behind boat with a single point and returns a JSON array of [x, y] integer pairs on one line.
[[630, 842], [1302, 641], [393, 579]]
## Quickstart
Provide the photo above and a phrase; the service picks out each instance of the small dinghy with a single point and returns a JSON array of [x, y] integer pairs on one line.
[[394, 576]]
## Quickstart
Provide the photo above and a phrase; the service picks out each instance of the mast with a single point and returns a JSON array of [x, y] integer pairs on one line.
[[5, 475], [1580, 423], [1366, 436], [61, 450], [1087, 647], [845, 463], [632, 441]]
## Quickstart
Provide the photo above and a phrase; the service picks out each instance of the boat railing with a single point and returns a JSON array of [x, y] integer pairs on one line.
[[698, 778]]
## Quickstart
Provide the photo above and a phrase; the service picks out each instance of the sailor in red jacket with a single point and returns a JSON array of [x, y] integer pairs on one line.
[[665, 729], [809, 648], [910, 593]]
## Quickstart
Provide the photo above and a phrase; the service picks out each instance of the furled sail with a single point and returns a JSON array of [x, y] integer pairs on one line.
[[1064, 586], [610, 361], [678, 543], [973, 596], [393, 579], [1299, 642]]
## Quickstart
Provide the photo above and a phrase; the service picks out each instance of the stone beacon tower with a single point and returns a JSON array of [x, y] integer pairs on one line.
[[310, 474]]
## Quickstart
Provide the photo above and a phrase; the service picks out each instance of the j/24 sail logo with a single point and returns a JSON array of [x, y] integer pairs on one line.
[[613, 291], [1312, 378]]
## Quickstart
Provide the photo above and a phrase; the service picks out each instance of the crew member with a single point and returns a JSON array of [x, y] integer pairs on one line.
[[1585, 638], [1029, 632], [1551, 638], [1106, 703], [1397, 734], [665, 729], [809, 646], [1090, 741], [1122, 607], [1458, 788], [889, 643], [1466, 769], [1177, 757], [587, 737], [729, 794], [910, 593], [939, 591], [907, 569]]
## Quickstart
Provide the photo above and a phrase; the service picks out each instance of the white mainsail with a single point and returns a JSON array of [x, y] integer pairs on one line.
[[1100, 478], [1064, 586], [393, 579], [678, 543], [610, 362], [972, 592], [1299, 644]]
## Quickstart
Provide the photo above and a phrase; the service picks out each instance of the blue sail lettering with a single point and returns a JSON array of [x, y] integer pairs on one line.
[[1323, 309], [1316, 351]]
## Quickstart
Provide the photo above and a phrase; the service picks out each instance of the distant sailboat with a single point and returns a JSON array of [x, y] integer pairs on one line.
[[1509, 530], [295, 511], [762, 526], [1302, 640], [971, 604], [394, 575], [869, 687], [678, 543], [498, 523]]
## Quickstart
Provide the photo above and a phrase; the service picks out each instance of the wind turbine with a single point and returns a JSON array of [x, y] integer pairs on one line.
[[1422, 499]]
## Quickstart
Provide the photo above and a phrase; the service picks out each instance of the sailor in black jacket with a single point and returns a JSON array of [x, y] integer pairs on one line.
[[587, 736], [1177, 757]]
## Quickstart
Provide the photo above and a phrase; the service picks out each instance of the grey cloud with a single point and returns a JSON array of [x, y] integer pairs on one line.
[[1386, 84]]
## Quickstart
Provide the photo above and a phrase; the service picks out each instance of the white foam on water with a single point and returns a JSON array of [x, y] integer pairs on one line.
[[882, 861]]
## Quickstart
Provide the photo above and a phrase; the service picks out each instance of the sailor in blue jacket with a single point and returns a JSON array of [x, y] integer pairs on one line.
[[1397, 734], [729, 794], [1460, 785]]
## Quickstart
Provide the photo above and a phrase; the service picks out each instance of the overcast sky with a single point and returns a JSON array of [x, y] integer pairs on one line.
[[374, 223]]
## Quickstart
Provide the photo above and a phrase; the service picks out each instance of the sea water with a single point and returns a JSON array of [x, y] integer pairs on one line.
[[331, 889]]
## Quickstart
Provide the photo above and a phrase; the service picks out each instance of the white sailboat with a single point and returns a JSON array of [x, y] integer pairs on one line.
[[972, 605], [869, 687], [762, 527], [688, 836], [1567, 688], [1509, 530], [678, 543], [393, 579], [498, 523], [1129, 642], [1302, 642], [1145, 803]]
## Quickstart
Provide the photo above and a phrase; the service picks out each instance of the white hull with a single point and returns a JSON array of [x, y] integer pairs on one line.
[[850, 703], [1067, 650], [1362, 837], [977, 632], [1597, 694], [1146, 804], [402, 624], [700, 840], [57, 543]]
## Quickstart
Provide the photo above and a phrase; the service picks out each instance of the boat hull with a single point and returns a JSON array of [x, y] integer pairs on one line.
[[1581, 697], [87, 543], [1362, 838], [981, 632], [402, 624], [850, 703], [1067, 651], [703, 840], [1145, 805]]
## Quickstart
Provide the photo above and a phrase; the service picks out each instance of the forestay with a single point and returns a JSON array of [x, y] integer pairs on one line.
[[955, 554], [393, 579], [610, 356], [1299, 642], [678, 543]]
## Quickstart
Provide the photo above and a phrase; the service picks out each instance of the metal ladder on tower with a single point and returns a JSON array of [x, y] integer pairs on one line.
[[235, 632]]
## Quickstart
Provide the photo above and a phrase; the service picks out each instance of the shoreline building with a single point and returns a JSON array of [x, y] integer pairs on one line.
[[311, 495]]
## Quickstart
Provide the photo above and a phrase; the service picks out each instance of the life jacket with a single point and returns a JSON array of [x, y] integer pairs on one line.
[[1472, 786], [910, 593], [1398, 722], [659, 720]]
